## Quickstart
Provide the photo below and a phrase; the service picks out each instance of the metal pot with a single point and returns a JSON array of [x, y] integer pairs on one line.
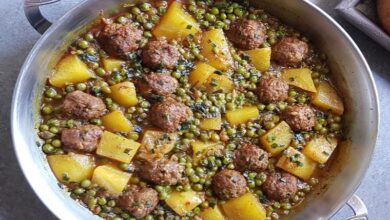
[[348, 65]]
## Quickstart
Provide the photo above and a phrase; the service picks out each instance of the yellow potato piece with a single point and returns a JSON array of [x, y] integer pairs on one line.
[[70, 70], [327, 99], [212, 214], [183, 202], [260, 58], [157, 142], [200, 74], [277, 139], [176, 23], [211, 123], [71, 167], [110, 178], [215, 48], [244, 207], [320, 148], [296, 163], [117, 147], [201, 149], [111, 64], [300, 78], [219, 83], [116, 122], [124, 94], [242, 115]]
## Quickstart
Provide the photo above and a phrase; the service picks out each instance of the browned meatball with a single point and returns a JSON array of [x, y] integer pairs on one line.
[[229, 184], [272, 89], [159, 53], [280, 186], [120, 39], [139, 201], [161, 171], [300, 117], [81, 105], [169, 114], [246, 34], [157, 83], [290, 51], [250, 157], [82, 139]]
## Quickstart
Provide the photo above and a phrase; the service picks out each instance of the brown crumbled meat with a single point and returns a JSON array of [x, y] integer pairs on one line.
[[290, 51], [161, 171], [120, 39], [81, 105], [246, 34], [160, 54], [229, 184], [300, 117], [169, 114], [157, 83], [139, 201], [250, 157], [272, 89], [82, 139], [279, 186]]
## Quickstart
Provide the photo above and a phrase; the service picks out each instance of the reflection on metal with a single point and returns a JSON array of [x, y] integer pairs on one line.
[[34, 15], [358, 207]]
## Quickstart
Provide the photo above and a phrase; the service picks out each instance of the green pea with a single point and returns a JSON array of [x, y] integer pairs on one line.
[[100, 71], [43, 127], [79, 191], [83, 44], [50, 92], [135, 11], [252, 16], [85, 183], [194, 179], [102, 201], [47, 110], [48, 148], [219, 24], [56, 143], [163, 195], [111, 203], [145, 6], [238, 11], [121, 19], [134, 136], [230, 166], [251, 184], [187, 187], [197, 187], [269, 125], [214, 11], [271, 107], [81, 86], [88, 37], [335, 126], [210, 17], [286, 206], [223, 16]]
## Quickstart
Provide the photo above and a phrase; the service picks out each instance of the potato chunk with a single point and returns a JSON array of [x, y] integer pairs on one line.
[[242, 115], [176, 23], [183, 202], [157, 142], [320, 149], [116, 122], [244, 207], [70, 70], [110, 178], [211, 123], [202, 149], [111, 64], [212, 214], [71, 167], [117, 147], [300, 78], [215, 49], [124, 94], [260, 58], [277, 139], [296, 163], [200, 74], [327, 98], [219, 83]]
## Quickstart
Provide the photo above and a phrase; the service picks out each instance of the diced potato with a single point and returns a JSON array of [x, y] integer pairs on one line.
[[183, 202], [260, 58], [211, 123], [157, 142], [327, 98], [300, 78], [212, 214], [277, 139], [219, 83], [70, 70], [202, 149], [215, 49], [117, 147], [320, 149], [242, 115], [124, 94], [71, 167], [110, 178], [111, 64], [176, 23], [116, 122], [244, 207], [296, 163], [200, 74]]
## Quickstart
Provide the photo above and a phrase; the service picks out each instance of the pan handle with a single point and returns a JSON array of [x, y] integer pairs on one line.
[[358, 207], [34, 15]]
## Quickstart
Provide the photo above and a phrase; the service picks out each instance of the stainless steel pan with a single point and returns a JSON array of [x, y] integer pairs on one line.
[[348, 65]]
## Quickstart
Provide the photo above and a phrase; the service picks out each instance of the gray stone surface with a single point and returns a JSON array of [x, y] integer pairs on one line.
[[18, 201]]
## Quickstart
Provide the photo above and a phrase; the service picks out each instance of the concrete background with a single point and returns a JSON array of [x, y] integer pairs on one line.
[[17, 37]]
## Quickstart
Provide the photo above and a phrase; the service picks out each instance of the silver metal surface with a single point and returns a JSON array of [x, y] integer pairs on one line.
[[34, 15], [348, 64], [358, 207]]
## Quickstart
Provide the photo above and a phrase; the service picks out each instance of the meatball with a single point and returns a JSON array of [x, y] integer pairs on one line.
[[82, 139], [290, 51], [81, 105], [161, 171], [157, 83], [279, 186], [139, 201], [272, 89], [159, 53], [250, 157], [246, 34], [120, 39], [169, 114], [229, 184], [300, 117]]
